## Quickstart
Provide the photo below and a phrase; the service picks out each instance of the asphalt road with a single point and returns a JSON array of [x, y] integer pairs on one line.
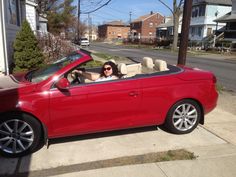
[[222, 66]]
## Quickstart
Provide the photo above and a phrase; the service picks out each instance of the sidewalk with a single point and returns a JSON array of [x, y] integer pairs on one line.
[[214, 144], [213, 161], [219, 163]]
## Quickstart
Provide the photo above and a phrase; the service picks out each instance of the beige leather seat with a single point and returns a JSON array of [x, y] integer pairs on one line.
[[112, 60], [147, 65], [160, 65], [122, 68], [148, 62], [134, 69], [129, 70]]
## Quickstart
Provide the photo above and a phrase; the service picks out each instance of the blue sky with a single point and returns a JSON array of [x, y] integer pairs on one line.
[[120, 9]]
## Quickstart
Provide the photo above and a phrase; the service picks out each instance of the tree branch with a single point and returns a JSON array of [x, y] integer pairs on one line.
[[166, 6], [181, 3]]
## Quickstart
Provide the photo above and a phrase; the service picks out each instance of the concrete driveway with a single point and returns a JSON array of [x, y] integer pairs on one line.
[[76, 156]]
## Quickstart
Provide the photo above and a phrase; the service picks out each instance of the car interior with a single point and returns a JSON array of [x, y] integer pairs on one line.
[[135, 70]]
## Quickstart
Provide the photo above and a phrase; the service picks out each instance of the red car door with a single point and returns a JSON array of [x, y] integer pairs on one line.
[[94, 107]]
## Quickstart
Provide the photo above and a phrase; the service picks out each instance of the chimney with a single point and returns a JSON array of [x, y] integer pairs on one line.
[[151, 12]]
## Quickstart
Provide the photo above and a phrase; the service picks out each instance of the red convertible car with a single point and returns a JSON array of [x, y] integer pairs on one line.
[[48, 103]]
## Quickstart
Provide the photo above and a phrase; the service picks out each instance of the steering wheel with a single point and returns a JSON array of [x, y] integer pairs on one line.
[[77, 78]]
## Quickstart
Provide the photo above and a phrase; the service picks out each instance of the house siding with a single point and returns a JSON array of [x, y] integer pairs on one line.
[[12, 13], [6, 45], [200, 26], [2, 44], [31, 15]]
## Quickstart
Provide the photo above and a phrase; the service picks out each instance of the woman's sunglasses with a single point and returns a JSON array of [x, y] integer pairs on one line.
[[108, 69]]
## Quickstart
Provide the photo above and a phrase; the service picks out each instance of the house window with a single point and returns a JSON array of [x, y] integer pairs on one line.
[[209, 31], [13, 16], [202, 10], [150, 33], [195, 12], [151, 24], [199, 31]]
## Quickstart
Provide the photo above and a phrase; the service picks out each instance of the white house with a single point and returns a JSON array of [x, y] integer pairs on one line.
[[91, 33], [12, 13], [230, 20], [165, 31], [204, 12]]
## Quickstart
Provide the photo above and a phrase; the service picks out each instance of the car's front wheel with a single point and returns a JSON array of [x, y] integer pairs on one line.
[[20, 134], [183, 117]]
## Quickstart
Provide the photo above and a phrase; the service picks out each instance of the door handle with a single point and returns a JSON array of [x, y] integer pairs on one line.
[[134, 93]]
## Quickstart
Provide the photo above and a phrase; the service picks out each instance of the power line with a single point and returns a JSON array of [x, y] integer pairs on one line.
[[97, 8]]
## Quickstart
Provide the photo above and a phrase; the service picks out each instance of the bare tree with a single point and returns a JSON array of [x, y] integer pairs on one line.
[[176, 12], [45, 5]]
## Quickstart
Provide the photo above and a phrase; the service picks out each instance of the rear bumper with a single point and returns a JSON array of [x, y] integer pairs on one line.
[[212, 101]]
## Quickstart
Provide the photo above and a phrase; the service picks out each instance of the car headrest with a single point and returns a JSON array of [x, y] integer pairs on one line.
[[148, 62], [160, 65], [112, 60], [122, 68]]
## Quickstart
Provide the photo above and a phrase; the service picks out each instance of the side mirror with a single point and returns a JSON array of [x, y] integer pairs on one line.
[[63, 84]]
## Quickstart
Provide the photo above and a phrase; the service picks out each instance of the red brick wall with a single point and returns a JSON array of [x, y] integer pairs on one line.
[[113, 32], [149, 26], [117, 31]]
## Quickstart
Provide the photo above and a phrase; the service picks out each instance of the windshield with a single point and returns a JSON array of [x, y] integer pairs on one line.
[[48, 70]]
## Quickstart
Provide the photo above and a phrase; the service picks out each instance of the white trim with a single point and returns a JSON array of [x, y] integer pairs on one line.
[[5, 54], [31, 3]]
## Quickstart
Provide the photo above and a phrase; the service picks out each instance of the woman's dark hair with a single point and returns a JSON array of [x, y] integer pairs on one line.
[[113, 66]]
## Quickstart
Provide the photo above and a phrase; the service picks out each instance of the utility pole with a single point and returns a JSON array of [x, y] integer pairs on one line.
[[185, 32], [130, 30], [89, 27], [130, 14], [78, 30]]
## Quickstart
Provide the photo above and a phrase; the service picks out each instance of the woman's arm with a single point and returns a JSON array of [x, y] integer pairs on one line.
[[88, 75]]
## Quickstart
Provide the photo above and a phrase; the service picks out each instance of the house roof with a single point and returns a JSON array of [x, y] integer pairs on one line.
[[167, 24], [229, 17], [218, 2], [115, 23], [144, 17]]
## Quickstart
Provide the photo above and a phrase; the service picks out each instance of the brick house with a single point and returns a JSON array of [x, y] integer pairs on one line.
[[145, 26], [113, 30]]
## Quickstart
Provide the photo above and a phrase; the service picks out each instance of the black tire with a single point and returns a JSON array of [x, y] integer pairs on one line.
[[20, 134], [183, 117]]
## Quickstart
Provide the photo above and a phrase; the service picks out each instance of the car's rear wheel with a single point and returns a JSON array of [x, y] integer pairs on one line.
[[183, 117], [20, 134]]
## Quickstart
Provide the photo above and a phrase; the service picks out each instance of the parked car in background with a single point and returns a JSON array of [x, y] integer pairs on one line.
[[49, 102], [84, 41]]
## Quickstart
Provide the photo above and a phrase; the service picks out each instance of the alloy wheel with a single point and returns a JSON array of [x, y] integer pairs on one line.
[[16, 136], [185, 117]]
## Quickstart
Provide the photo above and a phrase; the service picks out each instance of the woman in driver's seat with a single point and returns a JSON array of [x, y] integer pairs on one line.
[[109, 71]]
